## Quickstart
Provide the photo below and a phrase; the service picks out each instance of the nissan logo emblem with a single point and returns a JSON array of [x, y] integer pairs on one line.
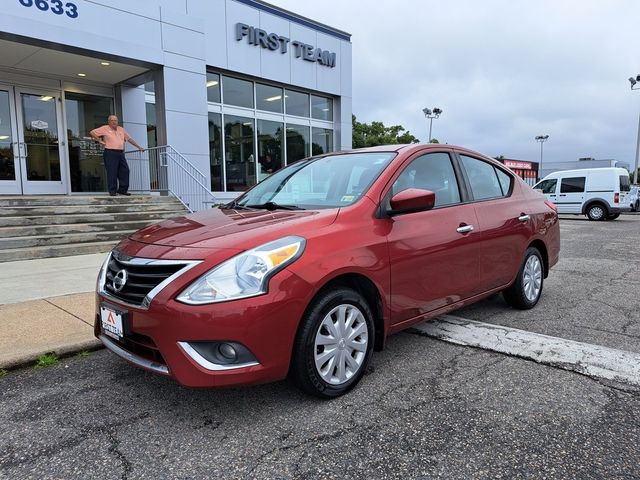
[[119, 280]]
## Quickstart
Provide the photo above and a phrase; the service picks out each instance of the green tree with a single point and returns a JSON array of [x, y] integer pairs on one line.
[[375, 133]]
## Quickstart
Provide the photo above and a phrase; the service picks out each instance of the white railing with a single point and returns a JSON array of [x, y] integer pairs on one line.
[[165, 171]]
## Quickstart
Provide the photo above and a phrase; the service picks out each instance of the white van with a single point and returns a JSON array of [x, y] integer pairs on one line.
[[598, 193]]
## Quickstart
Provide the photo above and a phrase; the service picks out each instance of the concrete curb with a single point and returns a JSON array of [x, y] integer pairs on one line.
[[61, 351]]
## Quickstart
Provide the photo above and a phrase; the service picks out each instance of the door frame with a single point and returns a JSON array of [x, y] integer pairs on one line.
[[12, 187], [55, 187]]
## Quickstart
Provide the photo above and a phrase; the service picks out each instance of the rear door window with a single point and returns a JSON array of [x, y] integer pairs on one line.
[[625, 186], [483, 178], [572, 185]]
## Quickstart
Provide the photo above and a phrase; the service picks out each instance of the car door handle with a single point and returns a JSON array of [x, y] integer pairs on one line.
[[464, 229], [523, 218], [563, 194]]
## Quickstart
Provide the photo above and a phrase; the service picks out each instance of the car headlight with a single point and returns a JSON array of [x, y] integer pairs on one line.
[[101, 280], [245, 275]]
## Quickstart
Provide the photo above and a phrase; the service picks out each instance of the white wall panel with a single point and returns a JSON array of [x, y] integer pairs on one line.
[[346, 73], [241, 56], [183, 41], [328, 78], [185, 91], [213, 14], [275, 65], [188, 133], [303, 73]]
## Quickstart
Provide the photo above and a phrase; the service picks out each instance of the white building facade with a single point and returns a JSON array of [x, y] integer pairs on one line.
[[239, 88]]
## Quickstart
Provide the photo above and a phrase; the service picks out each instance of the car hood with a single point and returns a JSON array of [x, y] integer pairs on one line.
[[237, 229]]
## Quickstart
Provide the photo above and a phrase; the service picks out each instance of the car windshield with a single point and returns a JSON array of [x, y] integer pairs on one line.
[[316, 183]]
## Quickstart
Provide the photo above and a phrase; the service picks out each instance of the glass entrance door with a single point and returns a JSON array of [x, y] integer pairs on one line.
[[40, 144], [10, 182]]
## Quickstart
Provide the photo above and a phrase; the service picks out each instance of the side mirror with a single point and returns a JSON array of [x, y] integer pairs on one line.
[[412, 200]]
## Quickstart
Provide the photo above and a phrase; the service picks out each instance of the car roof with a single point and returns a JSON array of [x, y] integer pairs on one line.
[[410, 148]]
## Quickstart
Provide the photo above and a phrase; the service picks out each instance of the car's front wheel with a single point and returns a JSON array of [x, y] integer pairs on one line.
[[527, 288], [334, 343]]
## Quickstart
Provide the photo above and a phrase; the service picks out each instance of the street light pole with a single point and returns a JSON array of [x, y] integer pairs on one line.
[[431, 114], [634, 86], [541, 139]]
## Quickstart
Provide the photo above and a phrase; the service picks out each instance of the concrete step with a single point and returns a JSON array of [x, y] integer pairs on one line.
[[78, 209], [92, 217], [51, 251], [63, 239], [34, 201], [40, 230]]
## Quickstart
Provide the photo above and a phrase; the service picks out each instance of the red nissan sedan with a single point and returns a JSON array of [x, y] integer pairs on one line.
[[312, 269]]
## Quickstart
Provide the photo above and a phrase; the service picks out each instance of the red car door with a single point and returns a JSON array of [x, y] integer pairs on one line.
[[433, 254], [503, 219]]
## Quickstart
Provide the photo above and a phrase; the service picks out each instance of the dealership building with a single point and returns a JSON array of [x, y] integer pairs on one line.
[[233, 89]]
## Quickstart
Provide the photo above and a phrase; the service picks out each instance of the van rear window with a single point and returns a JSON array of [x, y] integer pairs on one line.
[[624, 183]]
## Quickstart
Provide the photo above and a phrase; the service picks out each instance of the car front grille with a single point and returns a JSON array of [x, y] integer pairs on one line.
[[142, 277]]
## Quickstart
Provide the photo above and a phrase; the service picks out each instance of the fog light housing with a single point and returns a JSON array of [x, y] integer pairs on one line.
[[219, 355], [228, 352]]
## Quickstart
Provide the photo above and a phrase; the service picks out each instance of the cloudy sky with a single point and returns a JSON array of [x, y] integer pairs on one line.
[[502, 71]]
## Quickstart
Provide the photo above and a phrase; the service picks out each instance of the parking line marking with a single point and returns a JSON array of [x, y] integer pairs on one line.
[[584, 358]]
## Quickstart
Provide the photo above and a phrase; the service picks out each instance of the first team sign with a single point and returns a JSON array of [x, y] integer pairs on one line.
[[273, 41]]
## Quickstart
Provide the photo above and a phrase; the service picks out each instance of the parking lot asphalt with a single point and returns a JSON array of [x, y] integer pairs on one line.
[[425, 409], [592, 295]]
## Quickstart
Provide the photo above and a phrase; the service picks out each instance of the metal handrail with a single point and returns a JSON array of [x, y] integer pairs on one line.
[[165, 170]]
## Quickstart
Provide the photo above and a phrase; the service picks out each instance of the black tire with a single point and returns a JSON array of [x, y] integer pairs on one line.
[[303, 369], [613, 216], [597, 212], [637, 207], [516, 295]]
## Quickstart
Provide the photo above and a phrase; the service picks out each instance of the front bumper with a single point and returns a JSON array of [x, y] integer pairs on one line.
[[157, 339]]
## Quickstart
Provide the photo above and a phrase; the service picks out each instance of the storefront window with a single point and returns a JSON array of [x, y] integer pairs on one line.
[[297, 103], [213, 87], [240, 161], [215, 150], [297, 142], [237, 92], [321, 141], [321, 108], [84, 113], [268, 98], [270, 147]]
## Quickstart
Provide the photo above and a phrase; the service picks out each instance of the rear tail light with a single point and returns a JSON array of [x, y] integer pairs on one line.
[[551, 205], [616, 198]]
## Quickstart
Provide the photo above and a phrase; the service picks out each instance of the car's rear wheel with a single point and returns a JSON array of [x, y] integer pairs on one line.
[[334, 343], [527, 288], [596, 212]]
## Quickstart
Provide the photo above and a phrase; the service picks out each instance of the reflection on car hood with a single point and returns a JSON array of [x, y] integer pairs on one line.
[[242, 229]]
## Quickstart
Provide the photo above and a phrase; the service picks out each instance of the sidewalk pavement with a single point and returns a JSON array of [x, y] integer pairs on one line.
[[47, 305]]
